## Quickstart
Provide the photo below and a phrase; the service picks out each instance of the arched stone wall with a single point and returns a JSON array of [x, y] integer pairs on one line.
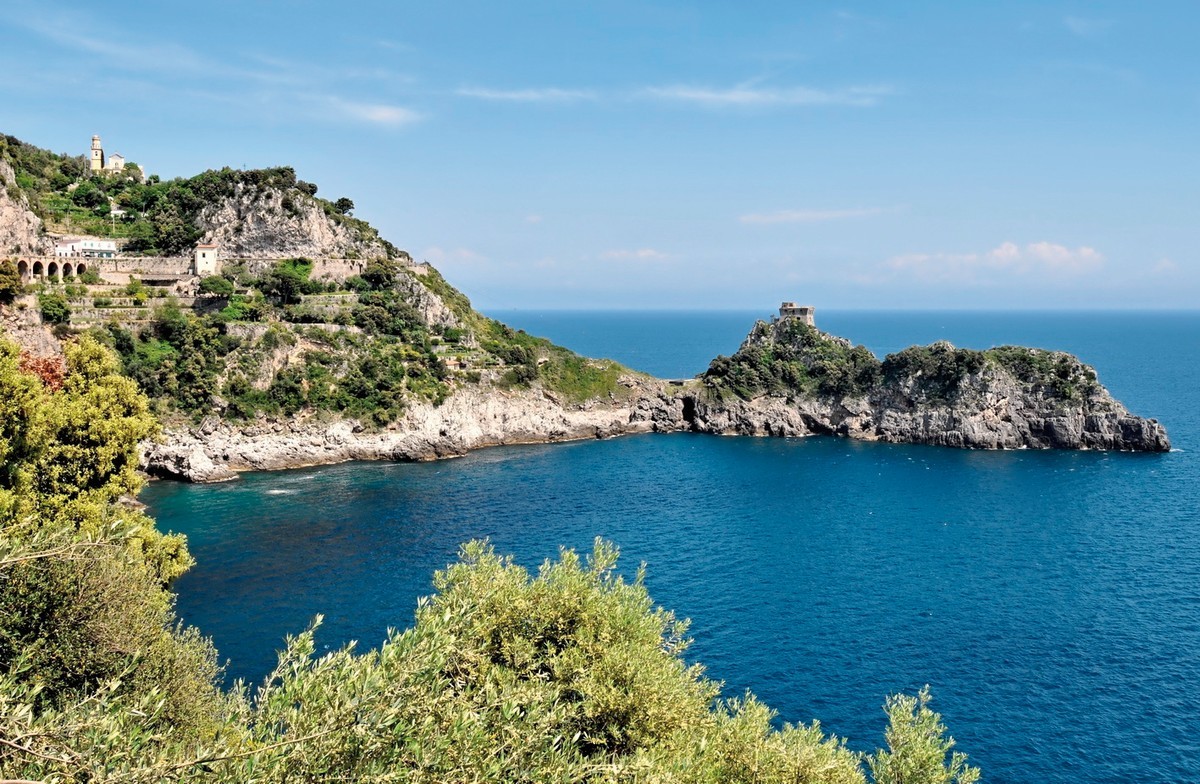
[[23, 269], [67, 270], [81, 268], [52, 269], [38, 269]]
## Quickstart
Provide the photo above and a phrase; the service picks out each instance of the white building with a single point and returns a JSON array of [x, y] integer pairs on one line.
[[86, 249], [206, 262]]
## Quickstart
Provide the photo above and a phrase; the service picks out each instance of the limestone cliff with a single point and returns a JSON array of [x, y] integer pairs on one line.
[[255, 223], [20, 228], [472, 418]]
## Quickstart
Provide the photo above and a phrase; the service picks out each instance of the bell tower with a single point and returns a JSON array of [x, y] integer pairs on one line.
[[97, 156]]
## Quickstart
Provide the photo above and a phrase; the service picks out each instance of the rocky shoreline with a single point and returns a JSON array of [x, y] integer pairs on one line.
[[992, 410]]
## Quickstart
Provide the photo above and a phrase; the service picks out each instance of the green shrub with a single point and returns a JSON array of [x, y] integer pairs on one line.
[[216, 286], [54, 308], [937, 371]]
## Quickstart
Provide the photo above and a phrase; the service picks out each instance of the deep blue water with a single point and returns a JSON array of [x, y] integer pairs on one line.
[[1052, 600]]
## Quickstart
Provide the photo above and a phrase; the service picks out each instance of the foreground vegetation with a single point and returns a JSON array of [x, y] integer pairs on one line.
[[569, 675]]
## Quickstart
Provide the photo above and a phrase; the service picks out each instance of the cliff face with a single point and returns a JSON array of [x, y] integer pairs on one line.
[[993, 412], [20, 229], [474, 417], [279, 223]]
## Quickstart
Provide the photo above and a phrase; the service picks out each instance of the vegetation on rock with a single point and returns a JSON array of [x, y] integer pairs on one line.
[[11, 285], [789, 358]]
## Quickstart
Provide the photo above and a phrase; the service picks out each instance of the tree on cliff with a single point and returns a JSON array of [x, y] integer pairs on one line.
[[11, 285]]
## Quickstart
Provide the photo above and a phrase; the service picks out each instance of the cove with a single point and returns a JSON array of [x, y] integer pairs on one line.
[[1049, 598]]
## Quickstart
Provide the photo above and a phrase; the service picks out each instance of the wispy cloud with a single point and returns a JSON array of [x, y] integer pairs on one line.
[[373, 113], [807, 216], [750, 96], [1086, 27], [1036, 258], [1164, 267], [528, 94], [533, 218], [61, 29], [746, 94], [260, 84], [640, 254]]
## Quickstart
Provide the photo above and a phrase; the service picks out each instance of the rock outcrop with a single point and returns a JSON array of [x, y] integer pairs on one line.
[[1004, 398], [278, 223], [20, 228], [21, 322]]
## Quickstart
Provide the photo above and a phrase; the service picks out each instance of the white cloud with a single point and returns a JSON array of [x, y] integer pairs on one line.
[[641, 254], [61, 28], [527, 95], [1164, 267], [1006, 259], [807, 216], [748, 96], [533, 218]]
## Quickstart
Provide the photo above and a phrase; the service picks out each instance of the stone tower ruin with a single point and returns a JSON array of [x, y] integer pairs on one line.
[[806, 313]]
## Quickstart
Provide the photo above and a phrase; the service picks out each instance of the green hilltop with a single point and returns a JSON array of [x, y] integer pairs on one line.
[[275, 337]]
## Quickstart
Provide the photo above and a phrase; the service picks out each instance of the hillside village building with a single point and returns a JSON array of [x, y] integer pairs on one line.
[[86, 248]]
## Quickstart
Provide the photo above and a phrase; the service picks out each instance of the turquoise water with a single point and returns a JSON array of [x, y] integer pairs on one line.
[[1052, 600]]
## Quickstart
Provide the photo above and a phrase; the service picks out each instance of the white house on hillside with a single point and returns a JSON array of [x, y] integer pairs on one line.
[[86, 248]]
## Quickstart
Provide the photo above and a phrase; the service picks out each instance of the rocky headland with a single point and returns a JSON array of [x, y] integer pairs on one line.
[[316, 341], [1008, 398]]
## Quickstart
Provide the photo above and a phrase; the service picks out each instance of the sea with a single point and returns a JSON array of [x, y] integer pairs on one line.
[[1051, 600]]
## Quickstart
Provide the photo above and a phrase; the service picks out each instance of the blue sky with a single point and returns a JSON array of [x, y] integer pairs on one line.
[[675, 155]]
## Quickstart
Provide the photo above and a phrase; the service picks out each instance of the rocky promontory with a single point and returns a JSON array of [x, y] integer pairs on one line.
[[787, 380], [790, 379]]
